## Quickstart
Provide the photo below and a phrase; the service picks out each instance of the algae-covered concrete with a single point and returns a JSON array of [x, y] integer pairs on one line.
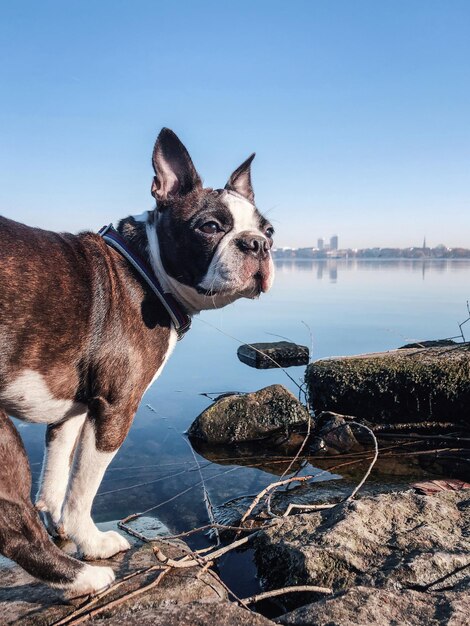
[[406, 385]]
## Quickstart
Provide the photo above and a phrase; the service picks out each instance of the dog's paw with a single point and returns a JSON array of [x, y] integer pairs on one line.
[[103, 545], [90, 580], [51, 519]]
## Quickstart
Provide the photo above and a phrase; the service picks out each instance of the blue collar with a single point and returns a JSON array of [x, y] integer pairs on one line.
[[180, 319]]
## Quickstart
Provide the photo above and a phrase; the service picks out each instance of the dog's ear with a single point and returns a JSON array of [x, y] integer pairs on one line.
[[175, 173], [240, 180]]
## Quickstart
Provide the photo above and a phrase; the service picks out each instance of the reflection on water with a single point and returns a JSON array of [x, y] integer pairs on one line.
[[330, 268], [350, 306]]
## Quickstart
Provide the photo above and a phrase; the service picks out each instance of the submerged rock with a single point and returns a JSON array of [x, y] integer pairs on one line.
[[274, 459], [405, 385], [333, 435], [273, 354], [249, 417], [394, 541]]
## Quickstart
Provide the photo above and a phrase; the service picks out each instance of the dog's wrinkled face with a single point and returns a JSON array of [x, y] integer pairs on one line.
[[214, 245]]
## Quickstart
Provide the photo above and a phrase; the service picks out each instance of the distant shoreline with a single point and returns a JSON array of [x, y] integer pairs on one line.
[[372, 259], [439, 253]]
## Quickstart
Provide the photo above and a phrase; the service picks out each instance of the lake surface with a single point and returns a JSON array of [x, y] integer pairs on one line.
[[350, 307]]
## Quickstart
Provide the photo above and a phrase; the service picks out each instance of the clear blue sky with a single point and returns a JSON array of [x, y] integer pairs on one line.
[[359, 111]]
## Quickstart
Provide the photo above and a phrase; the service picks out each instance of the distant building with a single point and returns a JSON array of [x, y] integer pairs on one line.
[[334, 242], [320, 243]]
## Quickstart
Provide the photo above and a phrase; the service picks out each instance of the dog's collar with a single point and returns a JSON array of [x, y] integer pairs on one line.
[[179, 317]]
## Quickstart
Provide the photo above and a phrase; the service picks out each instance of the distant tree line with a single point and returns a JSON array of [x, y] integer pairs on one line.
[[439, 252]]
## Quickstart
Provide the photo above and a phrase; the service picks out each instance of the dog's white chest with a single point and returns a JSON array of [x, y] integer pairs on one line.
[[29, 398]]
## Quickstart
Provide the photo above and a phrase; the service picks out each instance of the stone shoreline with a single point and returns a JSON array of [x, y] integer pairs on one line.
[[391, 556]]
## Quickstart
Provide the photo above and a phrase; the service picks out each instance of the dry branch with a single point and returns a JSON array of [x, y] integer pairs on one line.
[[83, 614], [207, 500], [200, 529], [279, 483], [182, 563], [280, 592], [291, 464], [309, 507]]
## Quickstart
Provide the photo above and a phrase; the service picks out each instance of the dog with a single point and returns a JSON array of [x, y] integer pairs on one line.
[[87, 323]]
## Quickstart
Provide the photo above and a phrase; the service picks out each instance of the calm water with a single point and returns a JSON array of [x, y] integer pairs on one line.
[[350, 307]]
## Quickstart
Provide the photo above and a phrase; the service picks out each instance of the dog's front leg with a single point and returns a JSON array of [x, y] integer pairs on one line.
[[92, 457], [61, 440]]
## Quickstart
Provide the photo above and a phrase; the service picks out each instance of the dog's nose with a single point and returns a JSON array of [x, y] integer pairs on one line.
[[254, 244]]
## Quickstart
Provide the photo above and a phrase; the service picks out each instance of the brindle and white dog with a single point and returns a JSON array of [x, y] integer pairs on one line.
[[83, 335]]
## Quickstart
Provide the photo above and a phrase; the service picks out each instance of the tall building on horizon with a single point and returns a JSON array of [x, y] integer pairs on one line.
[[334, 242], [320, 243]]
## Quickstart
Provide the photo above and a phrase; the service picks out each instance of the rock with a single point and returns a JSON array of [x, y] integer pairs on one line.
[[393, 540], [268, 458], [333, 435], [428, 487], [277, 459], [406, 385], [434, 343], [249, 417], [27, 602], [192, 614], [319, 492], [274, 354], [368, 606]]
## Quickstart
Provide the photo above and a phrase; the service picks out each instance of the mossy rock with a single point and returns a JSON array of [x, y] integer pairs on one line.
[[401, 385], [249, 417]]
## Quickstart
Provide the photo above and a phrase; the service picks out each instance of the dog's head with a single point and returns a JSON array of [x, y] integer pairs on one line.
[[213, 245]]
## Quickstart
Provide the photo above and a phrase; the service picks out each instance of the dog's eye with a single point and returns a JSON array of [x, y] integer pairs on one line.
[[269, 232], [210, 228]]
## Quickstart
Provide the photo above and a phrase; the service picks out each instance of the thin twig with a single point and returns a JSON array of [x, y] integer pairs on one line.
[[181, 563], [279, 483], [206, 527], [305, 478], [441, 579], [373, 462], [178, 495], [207, 500], [465, 321], [280, 592], [205, 563], [309, 507], [424, 437], [287, 470], [86, 614], [144, 484], [311, 339], [96, 598], [288, 339], [200, 319], [123, 526]]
